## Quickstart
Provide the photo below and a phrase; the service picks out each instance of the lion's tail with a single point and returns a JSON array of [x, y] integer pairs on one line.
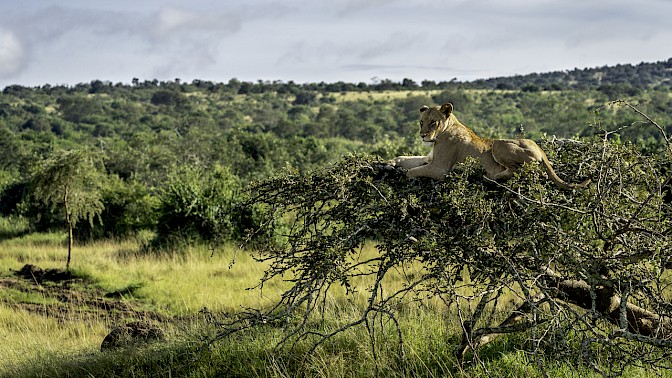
[[560, 182]]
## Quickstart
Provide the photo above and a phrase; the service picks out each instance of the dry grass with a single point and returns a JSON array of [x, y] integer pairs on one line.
[[26, 335], [381, 96], [179, 285]]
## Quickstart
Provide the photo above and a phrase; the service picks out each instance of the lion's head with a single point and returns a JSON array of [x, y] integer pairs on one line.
[[434, 120]]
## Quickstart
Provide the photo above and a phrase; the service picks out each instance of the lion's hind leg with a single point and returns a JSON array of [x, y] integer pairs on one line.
[[513, 153], [510, 155], [506, 174]]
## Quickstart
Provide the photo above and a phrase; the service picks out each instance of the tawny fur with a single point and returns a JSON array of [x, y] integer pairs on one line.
[[452, 142]]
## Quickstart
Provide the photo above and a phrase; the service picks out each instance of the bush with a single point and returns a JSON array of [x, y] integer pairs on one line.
[[580, 275], [129, 209], [200, 205]]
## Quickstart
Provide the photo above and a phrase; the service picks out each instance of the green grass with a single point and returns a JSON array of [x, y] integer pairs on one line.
[[177, 286], [178, 283], [27, 336]]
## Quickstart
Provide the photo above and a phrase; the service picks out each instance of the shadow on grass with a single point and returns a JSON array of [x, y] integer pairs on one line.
[[181, 359], [253, 355], [7, 235], [128, 291], [151, 361]]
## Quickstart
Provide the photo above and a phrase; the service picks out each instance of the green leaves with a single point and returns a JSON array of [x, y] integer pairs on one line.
[[199, 203], [70, 178], [476, 240]]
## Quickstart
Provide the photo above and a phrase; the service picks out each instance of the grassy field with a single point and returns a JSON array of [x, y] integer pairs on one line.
[[381, 96], [55, 328]]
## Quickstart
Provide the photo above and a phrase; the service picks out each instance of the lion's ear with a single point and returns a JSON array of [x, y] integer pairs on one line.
[[424, 109], [446, 109]]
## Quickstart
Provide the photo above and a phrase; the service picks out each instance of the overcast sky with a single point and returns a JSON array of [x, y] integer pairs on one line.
[[77, 41]]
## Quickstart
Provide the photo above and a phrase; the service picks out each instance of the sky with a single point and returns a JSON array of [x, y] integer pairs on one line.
[[77, 41]]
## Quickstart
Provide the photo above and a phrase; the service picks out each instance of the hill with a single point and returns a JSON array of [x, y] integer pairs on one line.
[[150, 135], [642, 75]]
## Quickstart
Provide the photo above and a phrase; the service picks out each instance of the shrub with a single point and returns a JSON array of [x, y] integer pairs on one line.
[[129, 208], [581, 275], [200, 204]]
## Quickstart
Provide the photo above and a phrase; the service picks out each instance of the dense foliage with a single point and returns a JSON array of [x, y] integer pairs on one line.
[[149, 131]]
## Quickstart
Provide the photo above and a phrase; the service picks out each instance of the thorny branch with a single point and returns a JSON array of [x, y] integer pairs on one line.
[[579, 276]]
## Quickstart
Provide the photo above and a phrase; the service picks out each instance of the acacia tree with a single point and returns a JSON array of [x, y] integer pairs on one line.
[[70, 180], [588, 269]]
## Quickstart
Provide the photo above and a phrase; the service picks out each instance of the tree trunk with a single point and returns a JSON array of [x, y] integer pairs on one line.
[[637, 320], [634, 322], [68, 220], [516, 322]]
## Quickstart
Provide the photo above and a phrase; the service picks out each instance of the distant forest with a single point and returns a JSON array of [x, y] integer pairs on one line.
[[150, 138], [642, 75]]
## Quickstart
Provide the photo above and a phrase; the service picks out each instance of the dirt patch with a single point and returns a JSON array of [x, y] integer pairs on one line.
[[60, 294], [40, 275]]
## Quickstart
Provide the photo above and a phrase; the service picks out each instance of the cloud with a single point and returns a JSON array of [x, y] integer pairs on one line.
[[45, 25], [352, 49], [397, 41], [320, 39], [36, 35], [12, 54], [188, 41], [349, 7], [170, 40], [171, 21]]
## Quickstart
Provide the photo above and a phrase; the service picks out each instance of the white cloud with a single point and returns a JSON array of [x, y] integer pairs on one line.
[[169, 21], [395, 42], [322, 40], [12, 53]]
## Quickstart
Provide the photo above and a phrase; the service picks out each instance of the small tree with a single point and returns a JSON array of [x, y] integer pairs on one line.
[[70, 179], [583, 277]]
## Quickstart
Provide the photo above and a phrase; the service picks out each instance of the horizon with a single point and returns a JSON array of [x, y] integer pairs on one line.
[[373, 81], [58, 42]]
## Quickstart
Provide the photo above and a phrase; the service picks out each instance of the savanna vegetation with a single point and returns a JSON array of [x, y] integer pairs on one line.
[[140, 214]]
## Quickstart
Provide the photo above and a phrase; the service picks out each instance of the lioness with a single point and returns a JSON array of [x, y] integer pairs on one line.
[[452, 142]]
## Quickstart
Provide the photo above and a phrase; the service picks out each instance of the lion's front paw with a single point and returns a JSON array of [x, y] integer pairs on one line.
[[391, 164]]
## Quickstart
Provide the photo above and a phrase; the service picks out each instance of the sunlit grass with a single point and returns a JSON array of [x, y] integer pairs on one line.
[[380, 95], [187, 282], [47, 249], [180, 284], [27, 335], [175, 284]]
